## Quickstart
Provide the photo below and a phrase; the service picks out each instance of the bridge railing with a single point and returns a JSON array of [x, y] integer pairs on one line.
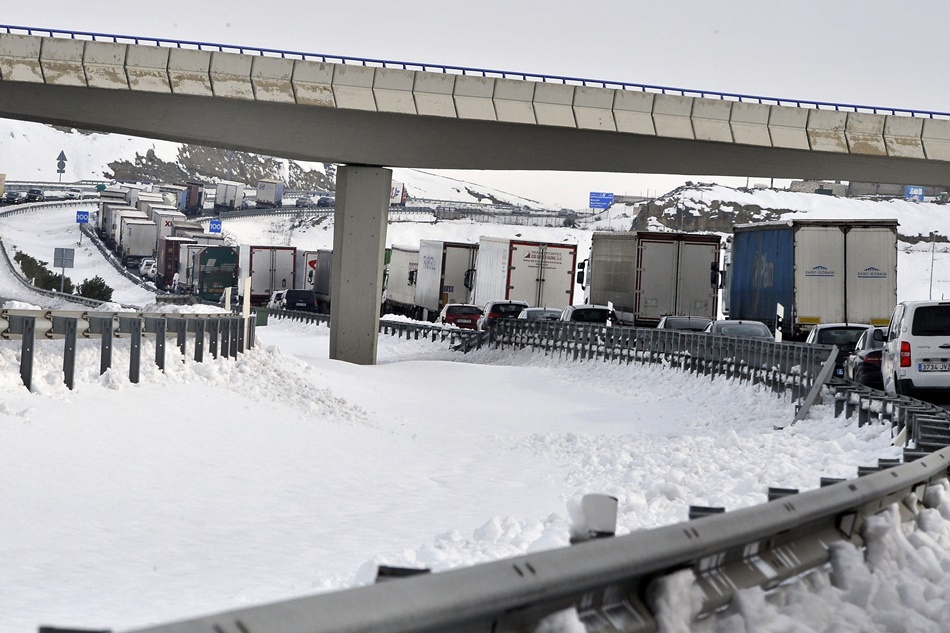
[[466, 70]]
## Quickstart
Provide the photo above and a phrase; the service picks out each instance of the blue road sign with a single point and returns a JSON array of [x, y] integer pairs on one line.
[[915, 193], [214, 226], [601, 200], [82, 217]]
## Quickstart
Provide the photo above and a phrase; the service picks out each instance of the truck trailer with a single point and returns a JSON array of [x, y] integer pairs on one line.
[[228, 196], [399, 292], [322, 272], [818, 271], [168, 260], [647, 275], [304, 269], [208, 270], [138, 241], [270, 193], [541, 274], [269, 268], [444, 276]]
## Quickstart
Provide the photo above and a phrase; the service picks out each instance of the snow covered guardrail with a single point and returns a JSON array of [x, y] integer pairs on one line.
[[625, 583], [28, 325]]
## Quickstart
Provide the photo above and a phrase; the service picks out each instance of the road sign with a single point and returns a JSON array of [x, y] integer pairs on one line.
[[63, 257], [601, 200], [214, 226], [61, 163], [82, 217], [915, 193]]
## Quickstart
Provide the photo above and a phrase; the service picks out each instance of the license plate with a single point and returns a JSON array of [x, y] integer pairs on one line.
[[933, 366], [469, 321], [301, 304], [839, 372]]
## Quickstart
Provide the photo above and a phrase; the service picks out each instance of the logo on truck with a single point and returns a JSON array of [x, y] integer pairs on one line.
[[820, 271], [543, 259], [872, 273]]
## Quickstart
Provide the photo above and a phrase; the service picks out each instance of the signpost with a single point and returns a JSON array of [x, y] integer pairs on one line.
[[61, 164], [82, 217], [601, 200], [214, 226], [914, 192], [63, 258]]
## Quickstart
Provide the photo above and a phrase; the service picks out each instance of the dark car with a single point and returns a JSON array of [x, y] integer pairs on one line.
[[463, 315], [326, 202], [740, 329], [495, 310], [686, 323], [34, 195], [863, 365], [12, 197], [842, 335], [300, 300]]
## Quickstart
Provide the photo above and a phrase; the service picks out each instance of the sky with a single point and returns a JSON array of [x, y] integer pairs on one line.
[[874, 52], [235, 483]]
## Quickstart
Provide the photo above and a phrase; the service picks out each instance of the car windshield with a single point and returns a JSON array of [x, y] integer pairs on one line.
[[463, 310], [685, 323], [932, 321], [745, 330], [508, 309], [840, 336], [542, 314], [591, 315]]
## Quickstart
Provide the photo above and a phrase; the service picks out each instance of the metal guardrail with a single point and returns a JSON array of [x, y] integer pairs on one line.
[[28, 325], [464, 70]]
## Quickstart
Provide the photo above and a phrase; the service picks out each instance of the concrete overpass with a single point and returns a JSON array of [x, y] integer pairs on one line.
[[367, 115]]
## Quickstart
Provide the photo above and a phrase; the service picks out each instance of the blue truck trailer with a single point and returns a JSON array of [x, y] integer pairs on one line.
[[818, 271]]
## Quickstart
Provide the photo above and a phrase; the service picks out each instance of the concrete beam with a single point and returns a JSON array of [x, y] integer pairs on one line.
[[147, 69], [313, 83], [393, 90], [672, 116], [20, 58], [826, 131], [353, 87], [359, 239], [936, 139], [593, 108], [711, 120], [554, 104], [104, 63], [514, 101], [473, 98], [902, 136], [189, 72], [433, 94], [272, 79], [865, 134], [787, 127], [633, 112], [62, 62], [750, 124], [231, 75]]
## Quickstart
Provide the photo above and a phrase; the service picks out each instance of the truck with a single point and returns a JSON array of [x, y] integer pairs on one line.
[[168, 259], [399, 289], [398, 195], [647, 275], [322, 272], [538, 273], [304, 269], [194, 198], [165, 217], [269, 268], [444, 268], [818, 271], [207, 270], [114, 234], [228, 196], [270, 193], [138, 241]]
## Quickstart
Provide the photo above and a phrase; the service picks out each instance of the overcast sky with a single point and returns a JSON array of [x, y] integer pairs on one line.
[[869, 52]]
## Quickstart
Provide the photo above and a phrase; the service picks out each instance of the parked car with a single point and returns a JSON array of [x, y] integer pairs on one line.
[[863, 364], [303, 201], [326, 202], [145, 264], [463, 315], [34, 195], [540, 314], [688, 323], [73, 193], [300, 300], [495, 310], [916, 358], [152, 271], [590, 314], [739, 328], [842, 335], [276, 301], [12, 197]]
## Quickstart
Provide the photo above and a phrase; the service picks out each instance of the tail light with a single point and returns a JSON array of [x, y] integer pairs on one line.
[[905, 354], [872, 358], [494, 315]]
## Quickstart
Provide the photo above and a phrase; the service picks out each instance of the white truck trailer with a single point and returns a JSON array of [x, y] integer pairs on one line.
[[228, 196], [270, 193], [269, 268], [138, 241], [539, 273], [400, 288], [445, 275]]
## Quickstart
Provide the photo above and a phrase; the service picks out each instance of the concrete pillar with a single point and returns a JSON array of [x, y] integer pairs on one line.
[[359, 241]]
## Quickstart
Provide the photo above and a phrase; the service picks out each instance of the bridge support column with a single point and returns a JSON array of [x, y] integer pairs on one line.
[[359, 240]]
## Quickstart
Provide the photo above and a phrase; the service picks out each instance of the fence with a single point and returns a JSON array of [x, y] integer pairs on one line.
[[224, 333]]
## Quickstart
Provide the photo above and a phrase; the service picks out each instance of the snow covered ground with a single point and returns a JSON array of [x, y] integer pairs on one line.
[[281, 474]]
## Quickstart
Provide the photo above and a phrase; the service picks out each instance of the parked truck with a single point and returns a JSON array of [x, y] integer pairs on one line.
[[541, 274], [304, 269], [818, 271], [168, 260], [270, 193], [228, 196], [399, 291], [194, 198], [647, 275], [138, 241], [445, 273], [269, 268], [322, 272], [207, 270]]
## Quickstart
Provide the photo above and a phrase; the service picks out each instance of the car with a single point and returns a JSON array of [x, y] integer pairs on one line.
[[34, 195], [276, 300], [540, 314], [303, 201], [687, 323], [590, 314], [151, 272], [841, 335], [739, 328], [916, 358], [73, 193], [300, 300], [495, 310], [145, 264], [463, 315], [863, 364], [326, 202], [12, 197]]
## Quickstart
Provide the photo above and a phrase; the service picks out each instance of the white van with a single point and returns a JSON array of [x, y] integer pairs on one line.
[[916, 357]]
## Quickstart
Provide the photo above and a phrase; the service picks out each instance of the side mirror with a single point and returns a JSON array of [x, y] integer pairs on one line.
[[879, 335]]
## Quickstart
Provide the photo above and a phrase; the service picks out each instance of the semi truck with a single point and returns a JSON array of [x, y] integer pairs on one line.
[[647, 275], [399, 292], [539, 273], [270, 193], [194, 198], [269, 268], [138, 241], [304, 269], [208, 270], [228, 196], [322, 272], [818, 271], [444, 275], [168, 259]]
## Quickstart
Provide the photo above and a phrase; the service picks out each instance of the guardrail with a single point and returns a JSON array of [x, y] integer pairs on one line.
[[464, 70], [28, 325]]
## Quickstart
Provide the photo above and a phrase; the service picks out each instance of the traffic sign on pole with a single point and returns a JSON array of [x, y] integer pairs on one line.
[[601, 200], [214, 226]]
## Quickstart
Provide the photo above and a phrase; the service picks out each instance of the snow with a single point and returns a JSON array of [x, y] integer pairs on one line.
[[232, 483]]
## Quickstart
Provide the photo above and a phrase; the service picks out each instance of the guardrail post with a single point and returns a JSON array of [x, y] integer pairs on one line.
[[69, 353], [27, 331], [213, 334], [240, 335], [234, 324], [182, 339], [199, 340], [103, 326], [252, 330], [225, 337], [135, 350]]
